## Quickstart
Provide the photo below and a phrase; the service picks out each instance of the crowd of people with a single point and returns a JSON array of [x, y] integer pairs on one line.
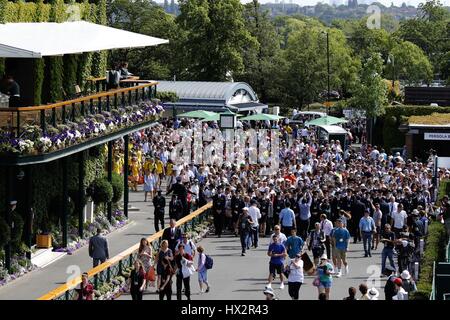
[[320, 199]]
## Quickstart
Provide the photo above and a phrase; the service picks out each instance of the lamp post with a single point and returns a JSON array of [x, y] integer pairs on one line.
[[328, 69], [391, 61]]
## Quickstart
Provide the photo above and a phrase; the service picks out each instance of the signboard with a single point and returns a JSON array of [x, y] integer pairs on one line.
[[437, 136], [352, 113]]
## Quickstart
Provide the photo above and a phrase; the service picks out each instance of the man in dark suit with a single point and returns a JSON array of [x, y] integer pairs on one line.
[[98, 248], [159, 202], [172, 234]]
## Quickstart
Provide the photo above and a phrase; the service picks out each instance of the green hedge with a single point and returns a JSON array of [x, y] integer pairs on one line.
[[102, 191], [392, 119], [5, 232], [444, 188], [117, 185], [167, 96], [434, 251]]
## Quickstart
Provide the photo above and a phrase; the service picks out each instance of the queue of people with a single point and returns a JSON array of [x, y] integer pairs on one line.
[[325, 194]]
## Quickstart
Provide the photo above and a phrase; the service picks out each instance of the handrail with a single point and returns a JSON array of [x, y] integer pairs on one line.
[[119, 257], [78, 100]]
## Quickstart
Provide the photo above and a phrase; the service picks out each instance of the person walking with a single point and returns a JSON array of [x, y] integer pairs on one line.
[[149, 184], [388, 239], [326, 226], [159, 202], [98, 248], [172, 234], [86, 290], [315, 244], [305, 214], [165, 285], [277, 253], [184, 263], [377, 218], [189, 246], [341, 239], [281, 236], [137, 281], [164, 255], [324, 277], [408, 283], [389, 287], [296, 276], [401, 294], [399, 219], [219, 209], [244, 225], [202, 271], [287, 219], [255, 215], [366, 229], [175, 208], [294, 244], [145, 256]]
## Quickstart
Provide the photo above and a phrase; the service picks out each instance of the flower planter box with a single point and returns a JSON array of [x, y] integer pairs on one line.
[[44, 241]]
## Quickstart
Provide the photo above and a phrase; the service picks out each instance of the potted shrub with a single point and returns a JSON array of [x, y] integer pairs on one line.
[[102, 191]]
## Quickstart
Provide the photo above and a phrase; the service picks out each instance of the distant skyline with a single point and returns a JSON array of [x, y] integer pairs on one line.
[[387, 3], [314, 2]]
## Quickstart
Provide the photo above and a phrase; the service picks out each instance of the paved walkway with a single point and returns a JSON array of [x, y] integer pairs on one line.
[[244, 278], [37, 283], [233, 276]]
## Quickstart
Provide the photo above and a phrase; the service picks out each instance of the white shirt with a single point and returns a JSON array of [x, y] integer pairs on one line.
[[281, 236], [189, 247], [399, 219], [393, 208], [401, 295], [255, 214], [296, 274], [326, 226]]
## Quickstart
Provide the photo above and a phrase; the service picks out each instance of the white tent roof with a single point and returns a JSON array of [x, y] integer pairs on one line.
[[35, 40], [334, 129]]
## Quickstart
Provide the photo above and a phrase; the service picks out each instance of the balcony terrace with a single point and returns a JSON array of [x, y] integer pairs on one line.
[[38, 134]]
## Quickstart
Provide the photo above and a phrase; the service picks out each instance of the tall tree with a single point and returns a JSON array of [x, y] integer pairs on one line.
[[430, 31], [215, 37], [305, 70], [261, 59], [409, 64], [148, 18], [371, 93]]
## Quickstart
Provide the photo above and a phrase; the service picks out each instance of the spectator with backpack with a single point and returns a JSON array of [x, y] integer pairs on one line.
[[204, 263]]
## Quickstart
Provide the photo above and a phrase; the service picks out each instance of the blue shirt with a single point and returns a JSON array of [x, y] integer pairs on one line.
[[294, 245], [305, 212], [341, 236], [287, 217], [276, 248], [366, 224]]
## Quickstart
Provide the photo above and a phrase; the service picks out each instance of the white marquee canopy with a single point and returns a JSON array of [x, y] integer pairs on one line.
[[36, 40]]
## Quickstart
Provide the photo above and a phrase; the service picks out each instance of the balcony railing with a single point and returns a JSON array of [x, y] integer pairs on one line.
[[41, 129], [114, 267]]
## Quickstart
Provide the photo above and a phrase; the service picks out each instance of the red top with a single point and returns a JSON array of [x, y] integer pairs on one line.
[[87, 292]]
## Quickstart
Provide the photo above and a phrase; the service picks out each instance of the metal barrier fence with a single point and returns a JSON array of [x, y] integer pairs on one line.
[[113, 267]]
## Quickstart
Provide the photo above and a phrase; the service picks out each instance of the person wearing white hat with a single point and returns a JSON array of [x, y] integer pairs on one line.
[[408, 283], [324, 278], [373, 293], [270, 295]]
